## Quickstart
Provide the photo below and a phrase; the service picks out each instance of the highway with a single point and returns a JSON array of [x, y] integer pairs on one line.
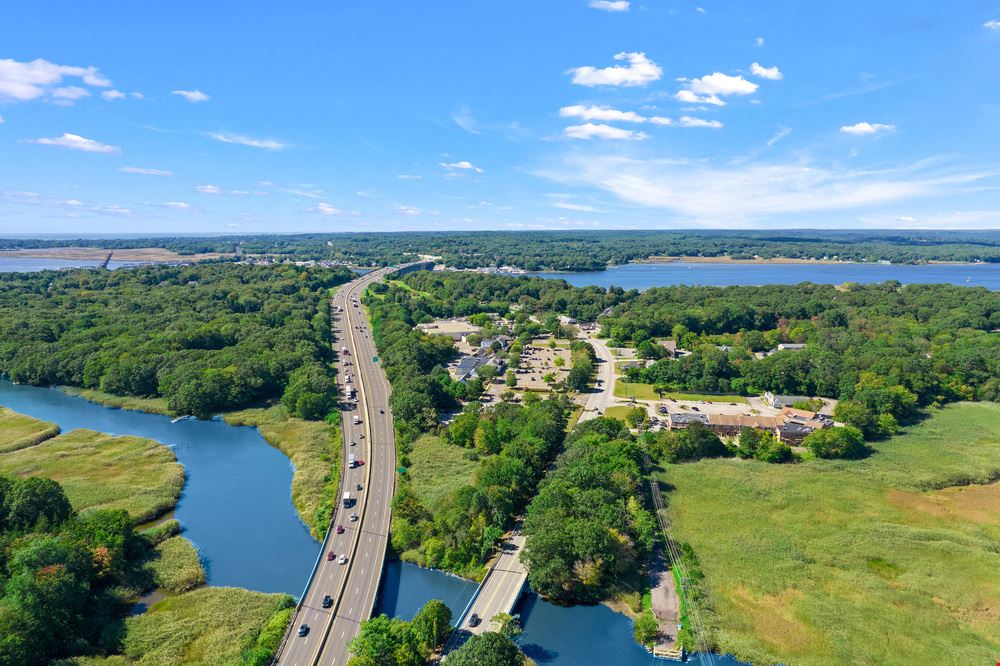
[[353, 585], [603, 396]]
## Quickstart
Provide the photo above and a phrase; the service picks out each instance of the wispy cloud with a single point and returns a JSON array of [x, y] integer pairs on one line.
[[325, 209], [142, 171], [609, 5], [176, 205], [41, 79], [759, 42], [992, 24], [111, 95], [463, 118], [779, 135], [208, 189], [193, 96], [77, 142], [730, 194], [602, 131], [408, 176], [690, 121], [410, 211], [639, 71], [243, 140], [867, 128]]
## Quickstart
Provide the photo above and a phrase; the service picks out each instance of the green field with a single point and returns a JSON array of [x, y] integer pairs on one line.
[[210, 626], [100, 471], [893, 559], [617, 412], [314, 448], [438, 469], [646, 392], [18, 431]]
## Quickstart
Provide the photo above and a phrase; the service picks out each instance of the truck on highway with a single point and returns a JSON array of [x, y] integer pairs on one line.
[[349, 391], [357, 420], [345, 351], [352, 461], [348, 500]]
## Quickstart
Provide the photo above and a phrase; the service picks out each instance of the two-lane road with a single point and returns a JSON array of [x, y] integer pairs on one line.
[[352, 586]]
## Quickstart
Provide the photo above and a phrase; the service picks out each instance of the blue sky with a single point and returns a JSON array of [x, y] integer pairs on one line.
[[136, 117]]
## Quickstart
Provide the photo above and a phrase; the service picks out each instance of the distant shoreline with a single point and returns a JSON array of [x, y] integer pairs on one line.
[[151, 254], [787, 260]]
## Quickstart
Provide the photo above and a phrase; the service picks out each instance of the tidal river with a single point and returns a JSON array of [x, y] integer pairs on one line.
[[236, 507]]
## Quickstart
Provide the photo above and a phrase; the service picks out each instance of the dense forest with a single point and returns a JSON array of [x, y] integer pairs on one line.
[[207, 338], [576, 251], [64, 579]]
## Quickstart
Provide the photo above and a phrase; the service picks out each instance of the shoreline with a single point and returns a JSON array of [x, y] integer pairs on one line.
[[668, 259], [150, 254]]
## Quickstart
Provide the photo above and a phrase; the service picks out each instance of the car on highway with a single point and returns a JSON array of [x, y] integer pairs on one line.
[[359, 486], [303, 629], [327, 601], [330, 556], [474, 620], [353, 443], [342, 560], [340, 529], [354, 517], [381, 411]]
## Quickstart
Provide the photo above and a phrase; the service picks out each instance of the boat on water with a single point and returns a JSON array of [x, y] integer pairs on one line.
[[181, 418]]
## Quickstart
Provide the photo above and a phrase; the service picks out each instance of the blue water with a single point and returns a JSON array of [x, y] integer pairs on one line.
[[644, 276], [31, 264], [236, 506], [557, 635]]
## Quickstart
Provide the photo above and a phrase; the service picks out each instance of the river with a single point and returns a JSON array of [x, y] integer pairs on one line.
[[644, 276], [31, 264], [236, 506]]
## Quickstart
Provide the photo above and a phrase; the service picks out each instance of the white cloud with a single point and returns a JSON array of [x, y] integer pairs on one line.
[[639, 72], [601, 131], [207, 189], [145, 172], [689, 121], [137, 95], [582, 208], [602, 113], [306, 190], [771, 73], [464, 119], [177, 205], [113, 95], [689, 97], [759, 42], [403, 209], [609, 5], [710, 89], [325, 209], [463, 165], [192, 96], [408, 176], [242, 140], [77, 142], [867, 128], [24, 81], [2, 121], [700, 10], [730, 194], [992, 24]]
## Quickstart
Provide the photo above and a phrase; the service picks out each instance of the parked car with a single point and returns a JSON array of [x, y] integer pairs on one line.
[[303, 629], [330, 556], [474, 620], [327, 601], [340, 529]]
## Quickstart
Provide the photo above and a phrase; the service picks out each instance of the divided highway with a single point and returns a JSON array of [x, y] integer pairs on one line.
[[351, 586]]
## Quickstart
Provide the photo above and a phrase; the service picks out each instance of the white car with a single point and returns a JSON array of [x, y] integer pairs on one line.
[[342, 560]]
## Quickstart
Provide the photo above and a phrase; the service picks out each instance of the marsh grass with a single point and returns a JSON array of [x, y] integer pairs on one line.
[[100, 471], [209, 626], [438, 469], [149, 405], [176, 566], [890, 560], [18, 431], [314, 448]]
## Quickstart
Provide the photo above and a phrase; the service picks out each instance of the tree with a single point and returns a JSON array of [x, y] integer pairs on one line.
[[647, 629], [32, 501], [431, 624], [637, 417], [487, 649], [506, 625], [838, 442], [692, 443]]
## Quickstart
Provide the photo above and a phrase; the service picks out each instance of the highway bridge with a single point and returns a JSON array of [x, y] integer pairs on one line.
[[344, 584]]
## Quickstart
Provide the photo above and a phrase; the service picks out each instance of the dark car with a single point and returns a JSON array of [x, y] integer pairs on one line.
[[303, 629], [327, 601], [330, 556], [381, 411], [474, 620], [340, 529]]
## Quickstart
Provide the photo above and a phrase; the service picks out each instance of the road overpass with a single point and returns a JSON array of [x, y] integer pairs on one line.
[[352, 586]]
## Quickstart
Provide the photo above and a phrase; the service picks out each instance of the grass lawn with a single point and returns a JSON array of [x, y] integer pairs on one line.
[[18, 431], [888, 560], [100, 471], [646, 392], [437, 469], [175, 565], [314, 448], [618, 412], [210, 626]]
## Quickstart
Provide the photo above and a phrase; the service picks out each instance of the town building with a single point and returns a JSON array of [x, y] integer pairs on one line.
[[781, 401]]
